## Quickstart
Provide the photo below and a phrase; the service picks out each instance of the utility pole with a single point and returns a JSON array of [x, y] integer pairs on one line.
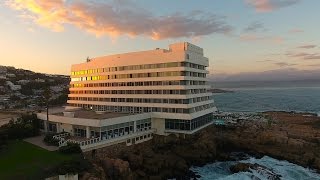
[[46, 96]]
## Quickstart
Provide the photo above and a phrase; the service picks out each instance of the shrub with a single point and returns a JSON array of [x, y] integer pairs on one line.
[[49, 140], [71, 148], [77, 165], [3, 140], [26, 126]]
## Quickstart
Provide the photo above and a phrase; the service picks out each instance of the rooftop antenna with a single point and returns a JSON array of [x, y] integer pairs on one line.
[[88, 59]]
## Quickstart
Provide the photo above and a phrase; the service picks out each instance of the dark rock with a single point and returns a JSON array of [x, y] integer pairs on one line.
[[247, 167], [135, 161], [155, 178], [141, 173], [240, 167], [116, 168]]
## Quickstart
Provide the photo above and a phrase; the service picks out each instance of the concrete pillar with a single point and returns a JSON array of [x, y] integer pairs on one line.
[[45, 124], [135, 126], [72, 131], [88, 131], [58, 128]]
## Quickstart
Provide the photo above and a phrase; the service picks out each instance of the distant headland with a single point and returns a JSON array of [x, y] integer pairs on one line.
[[213, 90]]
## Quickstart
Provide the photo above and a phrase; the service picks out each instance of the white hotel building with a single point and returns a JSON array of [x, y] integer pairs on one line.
[[134, 95]]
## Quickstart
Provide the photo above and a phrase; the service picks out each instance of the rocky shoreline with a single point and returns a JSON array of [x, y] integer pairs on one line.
[[289, 136]]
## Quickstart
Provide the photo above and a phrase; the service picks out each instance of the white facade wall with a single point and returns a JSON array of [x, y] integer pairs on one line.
[[179, 52]]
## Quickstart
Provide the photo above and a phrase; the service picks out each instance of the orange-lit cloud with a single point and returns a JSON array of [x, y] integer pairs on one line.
[[118, 18], [270, 5]]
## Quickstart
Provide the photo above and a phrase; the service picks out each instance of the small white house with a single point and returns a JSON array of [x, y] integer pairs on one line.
[[12, 86], [11, 75], [64, 177]]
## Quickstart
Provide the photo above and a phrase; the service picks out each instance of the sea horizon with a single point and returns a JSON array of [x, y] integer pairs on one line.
[[298, 96], [234, 85]]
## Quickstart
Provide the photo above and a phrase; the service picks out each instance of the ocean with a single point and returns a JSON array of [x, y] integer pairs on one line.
[[259, 97], [300, 96]]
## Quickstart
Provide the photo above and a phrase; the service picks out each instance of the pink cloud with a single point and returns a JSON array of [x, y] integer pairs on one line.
[[270, 5], [261, 5]]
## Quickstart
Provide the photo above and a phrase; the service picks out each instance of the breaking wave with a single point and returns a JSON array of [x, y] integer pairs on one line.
[[285, 169]]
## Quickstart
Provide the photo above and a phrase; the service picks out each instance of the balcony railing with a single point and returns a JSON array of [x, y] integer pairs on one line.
[[90, 143]]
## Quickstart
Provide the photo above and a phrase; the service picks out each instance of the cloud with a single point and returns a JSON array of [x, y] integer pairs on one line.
[[293, 31], [263, 61], [314, 65], [312, 56], [254, 27], [283, 74], [270, 5], [307, 46], [257, 38], [290, 54], [114, 18], [284, 64], [280, 64], [304, 55], [30, 29]]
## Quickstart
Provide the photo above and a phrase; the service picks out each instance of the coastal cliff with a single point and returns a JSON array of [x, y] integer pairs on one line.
[[161, 158], [290, 136], [293, 137]]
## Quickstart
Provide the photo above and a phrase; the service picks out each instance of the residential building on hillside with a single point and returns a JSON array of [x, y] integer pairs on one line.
[[159, 91], [3, 77], [40, 80], [3, 70], [10, 75], [12, 86], [23, 81]]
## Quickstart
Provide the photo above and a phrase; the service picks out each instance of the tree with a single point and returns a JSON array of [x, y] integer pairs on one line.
[[46, 97], [14, 98], [25, 126], [61, 99], [3, 139]]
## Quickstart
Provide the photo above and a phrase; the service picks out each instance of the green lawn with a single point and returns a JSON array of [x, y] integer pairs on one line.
[[22, 160]]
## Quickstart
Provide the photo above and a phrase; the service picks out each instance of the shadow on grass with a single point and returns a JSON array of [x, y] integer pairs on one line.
[[22, 160]]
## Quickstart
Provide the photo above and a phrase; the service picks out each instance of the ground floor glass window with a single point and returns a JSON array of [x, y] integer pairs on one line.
[[187, 125]]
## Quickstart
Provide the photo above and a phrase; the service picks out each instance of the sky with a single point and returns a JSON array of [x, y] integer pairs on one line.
[[242, 38]]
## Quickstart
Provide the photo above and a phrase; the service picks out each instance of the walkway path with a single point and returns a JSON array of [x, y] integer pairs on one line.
[[38, 141]]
